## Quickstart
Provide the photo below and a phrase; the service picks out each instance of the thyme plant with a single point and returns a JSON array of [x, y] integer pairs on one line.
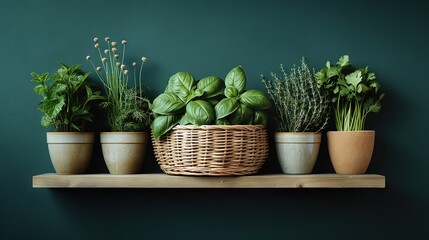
[[300, 105], [355, 92], [127, 107]]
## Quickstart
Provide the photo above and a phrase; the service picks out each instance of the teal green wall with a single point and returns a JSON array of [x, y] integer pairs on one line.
[[209, 38]]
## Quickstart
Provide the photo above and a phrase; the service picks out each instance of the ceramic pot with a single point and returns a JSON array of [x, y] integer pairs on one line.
[[123, 152], [297, 152], [351, 151], [70, 152]]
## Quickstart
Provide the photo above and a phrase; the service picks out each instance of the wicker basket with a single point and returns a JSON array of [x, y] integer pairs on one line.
[[212, 150]]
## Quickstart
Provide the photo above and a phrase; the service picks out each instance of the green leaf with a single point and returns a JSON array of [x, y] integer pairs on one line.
[[344, 61], [213, 101], [184, 120], [242, 116], [371, 76], [39, 89], [167, 103], [163, 124], [194, 94], [231, 92], [236, 78], [371, 105], [354, 78], [260, 117], [321, 77], [60, 88], [333, 71], [222, 121], [200, 112], [58, 107], [344, 91], [255, 99], [375, 85], [45, 121], [167, 88], [336, 89], [225, 107], [88, 91], [75, 127], [328, 64], [211, 86], [181, 84], [362, 88]]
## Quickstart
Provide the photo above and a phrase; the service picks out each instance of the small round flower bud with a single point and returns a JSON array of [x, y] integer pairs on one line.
[[123, 66], [124, 42], [144, 59], [114, 44], [106, 51], [117, 64], [88, 57], [107, 39], [116, 56], [96, 39], [126, 72], [114, 50], [104, 60], [97, 45], [98, 69], [134, 64]]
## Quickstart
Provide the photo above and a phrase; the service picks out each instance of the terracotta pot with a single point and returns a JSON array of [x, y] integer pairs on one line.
[[351, 151], [297, 152], [123, 152], [70, 152]]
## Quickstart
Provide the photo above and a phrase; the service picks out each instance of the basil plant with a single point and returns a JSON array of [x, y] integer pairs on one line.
[[208, 101]]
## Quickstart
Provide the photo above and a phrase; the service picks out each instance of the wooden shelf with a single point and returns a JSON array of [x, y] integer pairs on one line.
[[159, 180]]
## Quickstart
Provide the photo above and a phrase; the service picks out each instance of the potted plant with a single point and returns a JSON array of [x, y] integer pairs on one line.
[[67, 101], [197, 131], [128, 113], [302, 111], [355, 92]]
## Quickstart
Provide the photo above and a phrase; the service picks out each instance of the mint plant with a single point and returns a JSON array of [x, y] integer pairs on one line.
[[187, 101], [355, 92], [67, 98]]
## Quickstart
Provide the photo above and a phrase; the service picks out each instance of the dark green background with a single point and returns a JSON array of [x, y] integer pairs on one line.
[[209, 38]]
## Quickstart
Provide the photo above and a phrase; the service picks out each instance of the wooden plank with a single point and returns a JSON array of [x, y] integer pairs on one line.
[[159, 180]]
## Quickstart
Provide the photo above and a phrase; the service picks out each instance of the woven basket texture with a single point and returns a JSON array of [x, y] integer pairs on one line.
[[212, 150]]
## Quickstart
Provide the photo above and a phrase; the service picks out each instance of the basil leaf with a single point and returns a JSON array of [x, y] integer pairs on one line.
[[194, 94], [213, 101], [255, 99], [200, 112], [167, 89], [211, 86], [260, 117], [231, 92], [242, 116], [181, 84], [236, 78], [163, 124], [222, 121], [184, 120], [225, 107], [167, 103]]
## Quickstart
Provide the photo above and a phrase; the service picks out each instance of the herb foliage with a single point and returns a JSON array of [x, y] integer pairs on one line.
[[187, 101], [67, 98], [355, 92]]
